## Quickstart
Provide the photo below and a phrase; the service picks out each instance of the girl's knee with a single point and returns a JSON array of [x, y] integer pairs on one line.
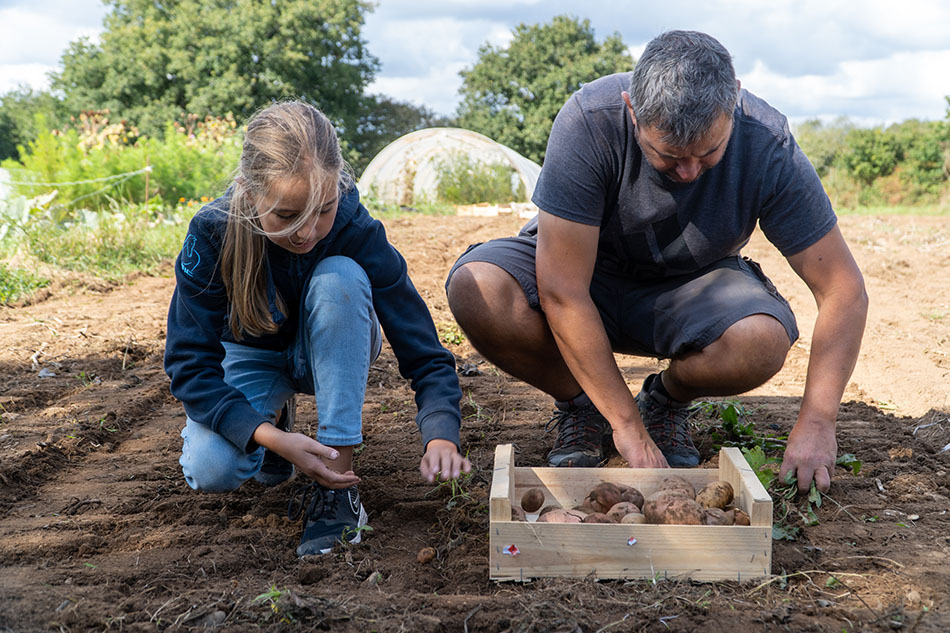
[[339, 281], [208, 479], [210, 462], [340, 273]]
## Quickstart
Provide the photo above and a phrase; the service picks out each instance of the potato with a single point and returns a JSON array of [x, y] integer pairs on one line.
[[665, 495], [517, 514], [532, 500], [597, 517], [715, 494], [559, 515], [622, 509], [585, 510], [742, 518], [549, 508], [604, 496], [672, 482], [673, 510], [425, 555], [631, 495], [634, 517], [717, 516]]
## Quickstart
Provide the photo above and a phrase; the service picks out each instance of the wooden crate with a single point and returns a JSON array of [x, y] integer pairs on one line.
[[523, 550]]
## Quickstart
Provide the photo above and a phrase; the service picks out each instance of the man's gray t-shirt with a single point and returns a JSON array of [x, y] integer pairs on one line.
[[595, 173]]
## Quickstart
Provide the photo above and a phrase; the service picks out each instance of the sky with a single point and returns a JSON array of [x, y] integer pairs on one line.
[[875, 62]]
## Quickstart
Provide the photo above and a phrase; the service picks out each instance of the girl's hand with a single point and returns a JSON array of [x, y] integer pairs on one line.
[[307, 454], [443, 459]]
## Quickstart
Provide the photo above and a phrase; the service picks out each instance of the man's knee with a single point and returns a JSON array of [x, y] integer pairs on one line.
[[761, 341]]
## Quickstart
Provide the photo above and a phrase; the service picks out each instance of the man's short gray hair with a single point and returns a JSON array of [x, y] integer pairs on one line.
[[682, 84]]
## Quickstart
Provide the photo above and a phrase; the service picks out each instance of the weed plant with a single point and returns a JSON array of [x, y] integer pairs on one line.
[[464, 180], [17, 283]]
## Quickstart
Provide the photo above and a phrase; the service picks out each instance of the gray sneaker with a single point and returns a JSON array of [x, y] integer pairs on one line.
[[329, 517], [581, 435], [275, 469], [668, 426]]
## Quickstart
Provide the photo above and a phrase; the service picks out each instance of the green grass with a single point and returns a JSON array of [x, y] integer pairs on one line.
[[16, 283], [111, 246]]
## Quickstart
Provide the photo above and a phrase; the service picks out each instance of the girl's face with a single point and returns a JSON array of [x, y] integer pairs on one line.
[[287, 202]]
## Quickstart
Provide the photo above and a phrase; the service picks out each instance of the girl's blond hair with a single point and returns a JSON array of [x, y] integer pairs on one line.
[[285, 142]]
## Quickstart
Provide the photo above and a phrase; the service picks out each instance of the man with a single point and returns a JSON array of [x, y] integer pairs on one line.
[[652, 183]]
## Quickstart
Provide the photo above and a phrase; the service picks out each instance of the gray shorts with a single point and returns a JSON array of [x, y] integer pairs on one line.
[[664, 317]]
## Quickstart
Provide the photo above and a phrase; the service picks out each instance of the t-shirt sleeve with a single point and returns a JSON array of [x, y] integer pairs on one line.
[[797, 212], [572, 180]]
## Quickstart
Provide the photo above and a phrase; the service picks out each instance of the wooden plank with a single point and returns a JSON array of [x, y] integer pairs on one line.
[[605, 551], [502, 483], [751, 495]]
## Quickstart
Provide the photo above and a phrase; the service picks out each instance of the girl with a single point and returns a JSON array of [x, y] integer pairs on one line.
[[283, 284]]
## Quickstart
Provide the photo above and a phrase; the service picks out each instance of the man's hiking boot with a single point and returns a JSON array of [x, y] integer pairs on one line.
[[275, 469], [329, 517], [581, 434], [668, 426]]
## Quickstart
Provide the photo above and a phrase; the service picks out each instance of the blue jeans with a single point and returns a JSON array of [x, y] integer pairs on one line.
[[338, 338]]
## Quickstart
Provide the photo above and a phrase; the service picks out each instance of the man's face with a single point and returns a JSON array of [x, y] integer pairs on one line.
[[683, 164]]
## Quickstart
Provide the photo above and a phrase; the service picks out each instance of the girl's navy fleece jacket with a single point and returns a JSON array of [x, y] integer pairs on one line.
[[198, 321]]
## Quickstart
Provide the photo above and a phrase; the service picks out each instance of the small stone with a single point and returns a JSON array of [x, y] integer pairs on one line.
[[913, 597], [373, 579], [213, 619], [425, 555]]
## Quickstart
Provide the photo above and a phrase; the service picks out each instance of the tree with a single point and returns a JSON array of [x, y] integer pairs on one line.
[[823, 144], [383, 121], [157, 60], [512, 93], [19, 112]]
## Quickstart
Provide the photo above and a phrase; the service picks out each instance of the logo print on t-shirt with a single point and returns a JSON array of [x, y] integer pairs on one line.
[[189, 256]]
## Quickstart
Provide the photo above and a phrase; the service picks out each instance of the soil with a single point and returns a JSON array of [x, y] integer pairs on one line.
[[99, 532]]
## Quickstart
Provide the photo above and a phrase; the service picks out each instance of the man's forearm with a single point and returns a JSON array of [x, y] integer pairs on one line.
[[836, 342], [584, 345]]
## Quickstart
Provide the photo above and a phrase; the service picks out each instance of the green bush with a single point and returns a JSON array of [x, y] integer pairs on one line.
[[108, 160], [463, 180]]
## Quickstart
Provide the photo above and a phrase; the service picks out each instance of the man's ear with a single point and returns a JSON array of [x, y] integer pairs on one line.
[[738, 85], [626, 100]]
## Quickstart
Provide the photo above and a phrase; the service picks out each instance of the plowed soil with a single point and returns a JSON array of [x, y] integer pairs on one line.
[[99, 532]]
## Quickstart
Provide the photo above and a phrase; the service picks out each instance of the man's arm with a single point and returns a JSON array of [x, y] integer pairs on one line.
[[832, 275], [565, 264]]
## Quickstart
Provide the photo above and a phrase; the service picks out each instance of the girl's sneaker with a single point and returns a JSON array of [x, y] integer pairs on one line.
[[275, 469], [329, 517]]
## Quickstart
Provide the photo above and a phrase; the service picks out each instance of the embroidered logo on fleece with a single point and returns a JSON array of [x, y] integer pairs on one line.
[[189, 256]]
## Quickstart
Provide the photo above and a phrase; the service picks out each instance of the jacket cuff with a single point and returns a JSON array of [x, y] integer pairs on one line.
[[238, 424], [440, 425]]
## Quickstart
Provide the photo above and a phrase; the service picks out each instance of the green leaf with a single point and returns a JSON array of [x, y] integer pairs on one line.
[[848, 460], [814, 496], [730, 414]]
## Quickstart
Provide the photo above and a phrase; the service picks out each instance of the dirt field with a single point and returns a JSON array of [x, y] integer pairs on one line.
[[98, 530]]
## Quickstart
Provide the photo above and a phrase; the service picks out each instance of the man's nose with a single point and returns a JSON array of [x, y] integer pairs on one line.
[[688, 170]]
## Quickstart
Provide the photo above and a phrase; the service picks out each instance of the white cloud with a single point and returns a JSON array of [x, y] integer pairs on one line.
[[903, 85], [33, 37]]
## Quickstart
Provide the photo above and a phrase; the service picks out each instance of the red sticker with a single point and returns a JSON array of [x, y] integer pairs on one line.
[[511, 550]]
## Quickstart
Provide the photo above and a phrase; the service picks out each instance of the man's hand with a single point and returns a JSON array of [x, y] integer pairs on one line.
[[810, 455], [638, 448], [443, 459], [307, 454]]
